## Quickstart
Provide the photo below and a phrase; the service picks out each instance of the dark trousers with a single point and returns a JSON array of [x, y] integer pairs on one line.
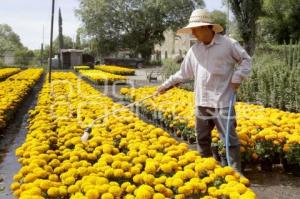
[[208, 118]]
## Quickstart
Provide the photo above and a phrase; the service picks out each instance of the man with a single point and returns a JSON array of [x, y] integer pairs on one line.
[[211, 63]]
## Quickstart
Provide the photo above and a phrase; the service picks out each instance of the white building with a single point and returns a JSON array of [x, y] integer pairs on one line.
[[173, 46], [8, 58], [71, 57]]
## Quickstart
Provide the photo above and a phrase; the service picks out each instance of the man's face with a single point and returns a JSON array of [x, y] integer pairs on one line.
[[202, 33]]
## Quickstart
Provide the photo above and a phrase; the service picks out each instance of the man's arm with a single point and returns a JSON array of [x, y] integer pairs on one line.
[[185, 72], [244, 65]]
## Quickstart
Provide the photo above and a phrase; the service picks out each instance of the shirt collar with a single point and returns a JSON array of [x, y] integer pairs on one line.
[[215, 40]]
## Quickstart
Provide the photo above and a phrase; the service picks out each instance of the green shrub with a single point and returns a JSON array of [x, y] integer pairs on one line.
[[169, 67], [274, 81]]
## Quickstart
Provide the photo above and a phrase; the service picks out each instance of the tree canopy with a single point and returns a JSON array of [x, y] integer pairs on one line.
[[219, 17], [280, 21], [9, 40], [135, 25], [247, 13]]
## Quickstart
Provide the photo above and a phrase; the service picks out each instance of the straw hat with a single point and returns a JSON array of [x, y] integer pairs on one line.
[[200, 17]]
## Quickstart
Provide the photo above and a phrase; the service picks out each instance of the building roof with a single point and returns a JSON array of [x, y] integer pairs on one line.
[[71, 50]]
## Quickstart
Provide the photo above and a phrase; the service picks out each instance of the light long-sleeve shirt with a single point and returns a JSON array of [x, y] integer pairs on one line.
[[213, 67]]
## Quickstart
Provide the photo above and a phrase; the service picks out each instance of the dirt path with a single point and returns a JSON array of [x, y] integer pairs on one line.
[[11, 138]]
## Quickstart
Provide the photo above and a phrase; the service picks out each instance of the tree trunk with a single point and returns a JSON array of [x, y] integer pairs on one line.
[[146, 56], [146, 53], [247, 13], [249, 44]]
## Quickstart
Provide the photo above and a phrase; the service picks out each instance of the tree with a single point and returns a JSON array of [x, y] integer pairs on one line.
[[9, 40], [135, 25], [246, 13], [60, 37], [68, 43], [78, 41], [24, 56], [280, 21], [219, 17]]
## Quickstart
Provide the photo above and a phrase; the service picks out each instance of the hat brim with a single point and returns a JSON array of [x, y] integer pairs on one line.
[[188, 29]]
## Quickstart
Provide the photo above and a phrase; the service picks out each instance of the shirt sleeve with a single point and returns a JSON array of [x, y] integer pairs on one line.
[[243, 69], [185, 73]]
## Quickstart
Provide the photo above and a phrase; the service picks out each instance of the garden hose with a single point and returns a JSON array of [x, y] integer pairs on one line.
[[88, 130], [227, 134]]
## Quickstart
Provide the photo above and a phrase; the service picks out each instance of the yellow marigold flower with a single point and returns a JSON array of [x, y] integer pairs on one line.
[[158, 196], [53, 192], [160, 188], [244, 181], [240, 188], [14, 186], [180, 196], [115, 190], [118, 173], [107, 196], [73, 189], [144, 192], [177, 182], [166, 168], [234, 195], [130, 188]]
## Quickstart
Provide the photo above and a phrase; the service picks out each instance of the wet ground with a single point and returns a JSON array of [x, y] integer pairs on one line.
[[275, 184], [268, 185]]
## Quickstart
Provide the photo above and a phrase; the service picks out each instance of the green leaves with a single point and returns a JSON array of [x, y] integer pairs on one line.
[[280, 21], [247, 13], [273, 82], [133, 25], [9, 40], [293, 155]]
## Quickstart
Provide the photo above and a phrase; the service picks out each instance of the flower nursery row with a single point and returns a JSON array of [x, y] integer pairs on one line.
[[124, 157], [266, 134], [100, 77], [13, 91], [6, 72], [77, 68], [116, 70]]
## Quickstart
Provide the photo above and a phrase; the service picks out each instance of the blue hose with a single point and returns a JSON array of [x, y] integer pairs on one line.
[[227, 135]]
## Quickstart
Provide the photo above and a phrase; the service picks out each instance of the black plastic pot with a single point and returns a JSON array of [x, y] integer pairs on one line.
[[276, 158], [266, 165], [243, 166], [191, 140], [184, 137], [215, 153], [291, 168], [223, 160]]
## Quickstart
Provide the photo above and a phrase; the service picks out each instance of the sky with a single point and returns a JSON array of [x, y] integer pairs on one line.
[[28, 17], [214, 5]]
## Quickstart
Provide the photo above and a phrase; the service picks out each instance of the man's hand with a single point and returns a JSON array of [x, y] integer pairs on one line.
[[160, 90], [235, 86]]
